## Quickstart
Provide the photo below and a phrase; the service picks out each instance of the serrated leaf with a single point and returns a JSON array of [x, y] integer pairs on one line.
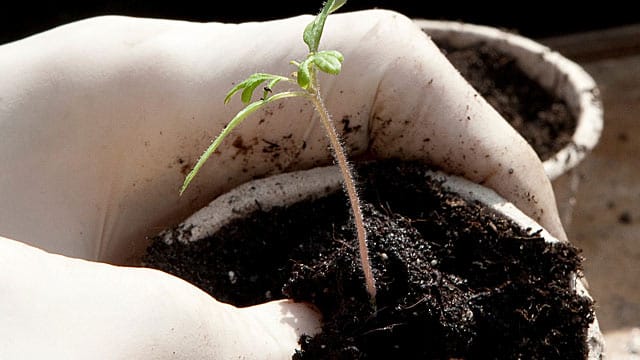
[[310, 36], [249, 85], [243, 85], [337, 5], [329, 61], [270, 86], [313, 31], [304, 73]]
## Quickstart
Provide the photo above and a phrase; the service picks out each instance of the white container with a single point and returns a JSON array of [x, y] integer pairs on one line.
[[289, 188], [555, 73]]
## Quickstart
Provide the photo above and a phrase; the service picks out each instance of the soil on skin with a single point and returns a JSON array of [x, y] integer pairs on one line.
[[542, 119], [454, 279]]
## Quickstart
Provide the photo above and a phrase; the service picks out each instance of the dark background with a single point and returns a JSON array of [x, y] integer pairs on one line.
[[530, 18]]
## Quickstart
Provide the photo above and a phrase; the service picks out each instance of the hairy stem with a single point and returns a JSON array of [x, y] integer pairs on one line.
[[354, 200]]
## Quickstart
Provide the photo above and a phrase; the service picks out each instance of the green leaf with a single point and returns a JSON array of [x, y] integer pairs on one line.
[[328, 61], [249, 85], [304, 73], [337, 5], [269, 87], [313, 31], [240, 116]]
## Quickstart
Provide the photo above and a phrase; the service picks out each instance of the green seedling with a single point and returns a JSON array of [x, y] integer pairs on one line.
[[306, 78]]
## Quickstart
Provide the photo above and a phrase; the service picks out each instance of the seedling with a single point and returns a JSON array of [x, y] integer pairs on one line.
[[306, 78]]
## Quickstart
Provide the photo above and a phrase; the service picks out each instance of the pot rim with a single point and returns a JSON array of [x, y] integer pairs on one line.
[[288, 188], [551, 70]]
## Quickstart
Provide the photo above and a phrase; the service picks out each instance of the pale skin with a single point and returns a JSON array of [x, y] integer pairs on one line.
[[101, 119]]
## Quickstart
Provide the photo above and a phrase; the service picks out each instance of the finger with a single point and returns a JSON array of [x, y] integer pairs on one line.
[[57, 307], [425, 110], [283, 321]]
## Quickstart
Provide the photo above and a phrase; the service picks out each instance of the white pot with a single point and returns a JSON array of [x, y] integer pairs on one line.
[[289, 188], [555, 73]]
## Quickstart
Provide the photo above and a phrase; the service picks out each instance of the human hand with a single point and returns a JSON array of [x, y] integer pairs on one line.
[[59, 307], [103, 117]]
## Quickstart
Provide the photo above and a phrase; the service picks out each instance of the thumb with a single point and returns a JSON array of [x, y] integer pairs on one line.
[[58, 307], [274, 328]]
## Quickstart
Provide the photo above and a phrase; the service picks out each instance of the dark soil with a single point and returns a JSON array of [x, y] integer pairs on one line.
[[454, 279], [542, 119]]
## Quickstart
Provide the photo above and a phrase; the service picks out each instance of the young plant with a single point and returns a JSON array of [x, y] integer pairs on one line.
[[306, 77]]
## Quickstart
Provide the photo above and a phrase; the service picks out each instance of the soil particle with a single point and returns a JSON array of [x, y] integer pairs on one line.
[[347, 128], [185, 166], [238, 143], [624, 218]]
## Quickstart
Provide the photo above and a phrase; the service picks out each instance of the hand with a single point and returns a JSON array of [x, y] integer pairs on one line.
[[102, 118]]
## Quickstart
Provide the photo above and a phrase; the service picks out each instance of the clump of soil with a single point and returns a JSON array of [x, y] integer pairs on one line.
[[454, 279], [541, 118]]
